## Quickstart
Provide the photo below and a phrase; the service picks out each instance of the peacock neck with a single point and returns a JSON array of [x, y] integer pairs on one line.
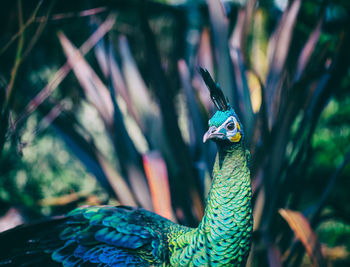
[[224, 235], [231, 182], [228, 215]]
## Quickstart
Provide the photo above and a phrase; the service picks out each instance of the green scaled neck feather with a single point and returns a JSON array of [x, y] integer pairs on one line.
[[126, 236], [224, 235]]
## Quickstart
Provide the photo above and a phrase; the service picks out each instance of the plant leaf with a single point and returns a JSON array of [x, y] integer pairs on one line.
[[278, 51], [303, 231], [219, 24], [139, 94], [205, 59], [65, 69], [308, 49], [157, 177], [96, 92]]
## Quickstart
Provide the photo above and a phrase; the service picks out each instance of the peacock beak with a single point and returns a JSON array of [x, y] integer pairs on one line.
[[213, 132]]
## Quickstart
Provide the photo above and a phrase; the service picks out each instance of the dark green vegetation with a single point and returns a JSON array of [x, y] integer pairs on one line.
[[297, 132]]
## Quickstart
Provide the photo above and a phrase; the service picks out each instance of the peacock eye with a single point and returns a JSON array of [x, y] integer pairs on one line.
[[230, 126]]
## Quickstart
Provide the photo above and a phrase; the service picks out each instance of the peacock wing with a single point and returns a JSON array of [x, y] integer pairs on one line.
[[101, 236]]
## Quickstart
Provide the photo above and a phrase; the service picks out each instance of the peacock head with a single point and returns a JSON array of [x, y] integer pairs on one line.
[[224, 127]]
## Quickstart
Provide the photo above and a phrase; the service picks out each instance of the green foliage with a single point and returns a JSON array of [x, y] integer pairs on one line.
[[56, 173], [330, 141]]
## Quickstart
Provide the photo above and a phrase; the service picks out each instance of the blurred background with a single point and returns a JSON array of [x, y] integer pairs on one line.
[[101, 102]]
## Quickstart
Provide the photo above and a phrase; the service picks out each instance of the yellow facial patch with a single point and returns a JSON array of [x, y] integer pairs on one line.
[[237, 137]]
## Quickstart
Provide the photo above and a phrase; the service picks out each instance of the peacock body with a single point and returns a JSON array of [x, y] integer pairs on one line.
[[126, 236]]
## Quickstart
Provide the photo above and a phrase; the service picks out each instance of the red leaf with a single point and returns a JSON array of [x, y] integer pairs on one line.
[[157, 177], [303, 231]]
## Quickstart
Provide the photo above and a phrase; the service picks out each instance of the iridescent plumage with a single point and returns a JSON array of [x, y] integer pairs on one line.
[[125, 236]]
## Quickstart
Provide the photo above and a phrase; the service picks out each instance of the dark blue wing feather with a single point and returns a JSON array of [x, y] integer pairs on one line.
[[98, 236], [111, 236]]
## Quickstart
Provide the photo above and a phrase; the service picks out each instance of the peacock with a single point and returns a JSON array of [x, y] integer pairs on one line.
[[129, 236]]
